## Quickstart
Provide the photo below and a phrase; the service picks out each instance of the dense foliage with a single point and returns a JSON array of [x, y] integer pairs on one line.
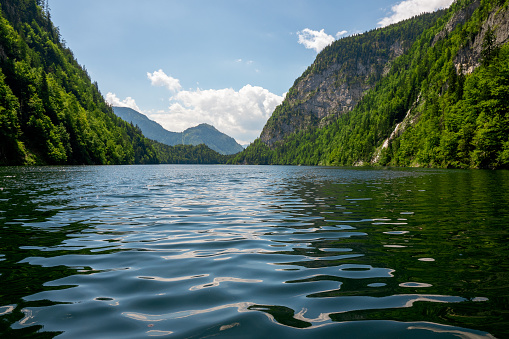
[[189, 154], [51, 112], [451, 119]]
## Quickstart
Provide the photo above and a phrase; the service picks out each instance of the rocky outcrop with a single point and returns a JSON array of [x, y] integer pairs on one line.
[[469, 57], [329, 93], [411, 118], [320, 97], [458, 18]]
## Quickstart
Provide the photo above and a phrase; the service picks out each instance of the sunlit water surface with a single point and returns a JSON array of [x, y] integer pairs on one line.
[[248, 252]]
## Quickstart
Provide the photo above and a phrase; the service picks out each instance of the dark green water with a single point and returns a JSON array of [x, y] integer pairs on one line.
[[249, 252]]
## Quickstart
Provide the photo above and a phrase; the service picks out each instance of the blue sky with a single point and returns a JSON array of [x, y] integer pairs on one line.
[[223, 62]]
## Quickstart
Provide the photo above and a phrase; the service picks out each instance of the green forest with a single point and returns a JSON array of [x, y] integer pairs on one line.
[[426, 110], [448, 117], [50, 110]]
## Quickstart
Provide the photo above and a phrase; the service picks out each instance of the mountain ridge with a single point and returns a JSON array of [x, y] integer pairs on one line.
[[200, 134]]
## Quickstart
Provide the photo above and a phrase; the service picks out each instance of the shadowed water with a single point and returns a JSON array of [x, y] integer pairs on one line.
[[240, 251]]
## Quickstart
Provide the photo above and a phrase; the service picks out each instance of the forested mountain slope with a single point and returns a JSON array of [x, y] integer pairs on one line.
[[52, 113], [442, 103], [201, 134], [341, 75]]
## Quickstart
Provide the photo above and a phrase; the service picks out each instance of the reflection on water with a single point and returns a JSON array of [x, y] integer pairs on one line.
[[197, 251]]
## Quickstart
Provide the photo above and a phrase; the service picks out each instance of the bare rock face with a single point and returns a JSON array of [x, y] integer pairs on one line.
[[458, 18], [469, 57], [319, 97], [325, 94]]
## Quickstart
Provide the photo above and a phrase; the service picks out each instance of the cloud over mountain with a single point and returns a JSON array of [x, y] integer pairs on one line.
[[409, 8], [113, 100], [316, 40], [240, 114]]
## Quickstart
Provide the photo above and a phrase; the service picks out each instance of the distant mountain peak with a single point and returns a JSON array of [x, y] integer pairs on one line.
[[201, 134], [204, 125]]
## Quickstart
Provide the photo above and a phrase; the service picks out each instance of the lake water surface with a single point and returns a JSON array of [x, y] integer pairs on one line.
[[253, 251]]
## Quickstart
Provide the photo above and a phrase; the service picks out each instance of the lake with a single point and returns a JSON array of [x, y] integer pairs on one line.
[[253, 251]]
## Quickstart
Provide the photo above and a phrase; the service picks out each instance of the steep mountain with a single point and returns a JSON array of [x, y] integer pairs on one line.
[[202, 134], [341, 75], [52, 113], [443, 102]]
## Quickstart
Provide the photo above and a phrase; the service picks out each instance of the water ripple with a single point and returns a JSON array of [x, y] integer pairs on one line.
[[189, 251]]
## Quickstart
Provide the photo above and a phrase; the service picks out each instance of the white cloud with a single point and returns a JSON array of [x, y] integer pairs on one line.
[[240, 114], [340, 34], [409, 8], [159, 78], [316, 40], [113, 100]]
